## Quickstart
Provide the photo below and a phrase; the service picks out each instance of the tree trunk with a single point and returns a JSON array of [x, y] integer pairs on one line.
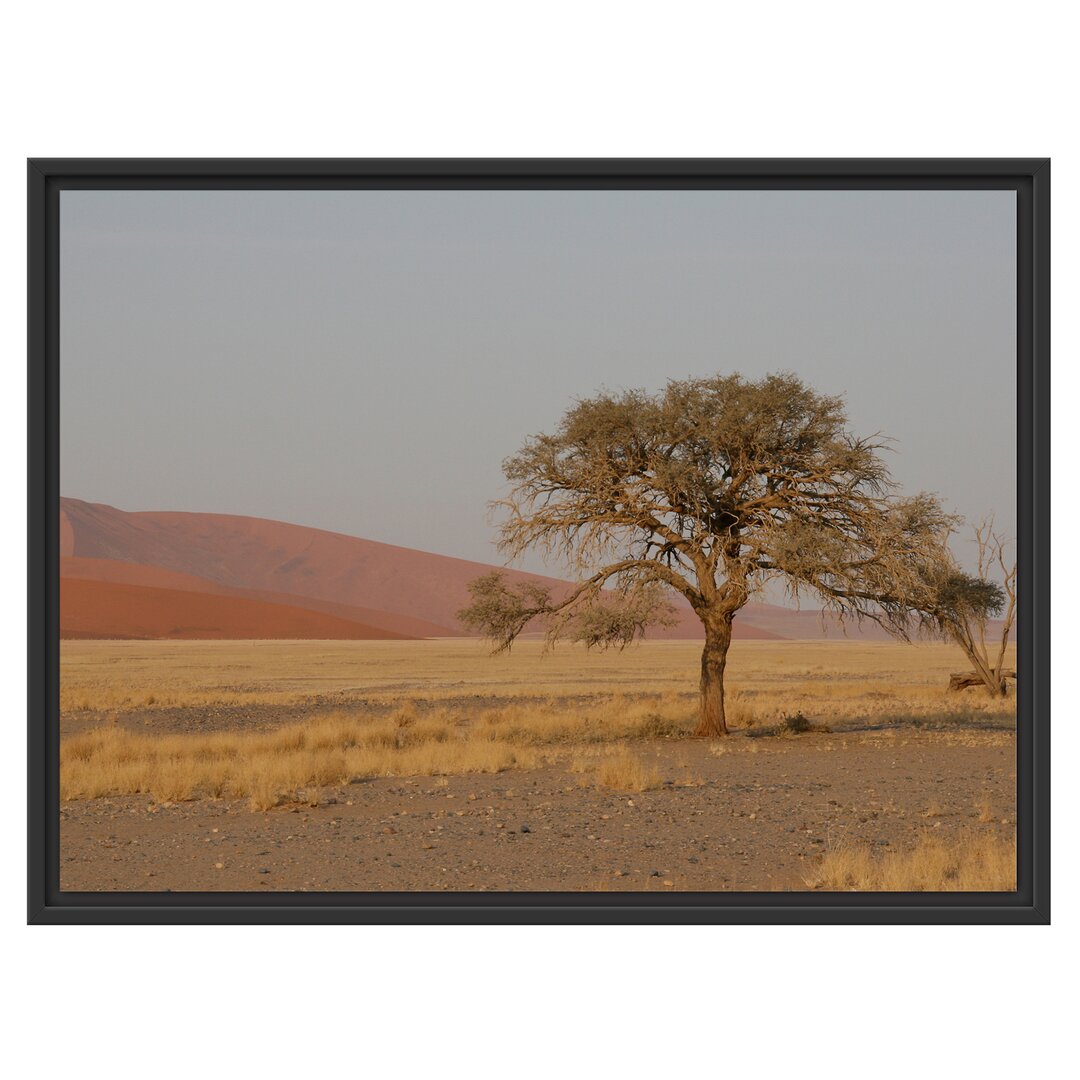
[[993, 681], [713, 661], [996, 687]]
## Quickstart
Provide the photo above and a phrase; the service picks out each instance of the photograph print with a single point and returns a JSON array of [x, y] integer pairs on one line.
[[457, 541]]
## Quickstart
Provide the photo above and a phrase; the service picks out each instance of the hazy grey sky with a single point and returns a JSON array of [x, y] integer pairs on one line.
[[363, 361]]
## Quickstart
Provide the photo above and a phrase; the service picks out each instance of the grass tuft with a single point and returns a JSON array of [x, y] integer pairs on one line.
[[971, 864], [625, 772]]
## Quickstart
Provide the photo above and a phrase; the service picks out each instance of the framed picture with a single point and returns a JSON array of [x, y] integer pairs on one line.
[[539, 541]]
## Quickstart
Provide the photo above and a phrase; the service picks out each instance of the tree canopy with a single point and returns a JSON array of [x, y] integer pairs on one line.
[[708, 490]]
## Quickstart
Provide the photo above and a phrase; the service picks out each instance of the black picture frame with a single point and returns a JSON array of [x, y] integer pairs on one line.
[[1030, 904]]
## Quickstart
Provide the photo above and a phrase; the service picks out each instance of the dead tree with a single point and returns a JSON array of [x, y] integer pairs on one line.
[[963, 604], [707, 490], [961, 680]]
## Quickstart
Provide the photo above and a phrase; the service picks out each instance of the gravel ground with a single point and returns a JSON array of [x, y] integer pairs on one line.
[[754, 817]]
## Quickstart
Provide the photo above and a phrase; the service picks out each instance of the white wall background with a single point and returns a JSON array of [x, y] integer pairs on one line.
[[530, 79]]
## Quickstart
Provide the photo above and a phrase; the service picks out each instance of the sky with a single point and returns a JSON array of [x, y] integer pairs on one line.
[[364, 361]]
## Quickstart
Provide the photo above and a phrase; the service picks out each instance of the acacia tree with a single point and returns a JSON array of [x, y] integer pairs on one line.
[[958, 606], [708, 490]]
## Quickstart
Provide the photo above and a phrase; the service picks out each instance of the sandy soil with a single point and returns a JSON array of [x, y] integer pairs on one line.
[[754, 817]]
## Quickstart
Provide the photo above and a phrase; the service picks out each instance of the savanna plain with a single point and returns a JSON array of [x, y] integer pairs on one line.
[[433, 765]]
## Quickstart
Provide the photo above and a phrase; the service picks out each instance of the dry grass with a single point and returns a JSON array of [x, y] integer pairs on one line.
[[626, 772], [971, 864], [284, 765], [448, 707], [740, 711]]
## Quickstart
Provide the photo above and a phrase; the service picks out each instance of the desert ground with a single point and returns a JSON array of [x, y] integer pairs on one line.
[[432, 765]]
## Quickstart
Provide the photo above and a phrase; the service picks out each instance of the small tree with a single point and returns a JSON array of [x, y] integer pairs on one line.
[[708, 489], [959, 606]]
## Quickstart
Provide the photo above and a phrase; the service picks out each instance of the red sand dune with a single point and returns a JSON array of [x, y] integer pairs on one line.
[[294, 564], [127, 573], [291, 560], [108, 609], [396, 589]]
